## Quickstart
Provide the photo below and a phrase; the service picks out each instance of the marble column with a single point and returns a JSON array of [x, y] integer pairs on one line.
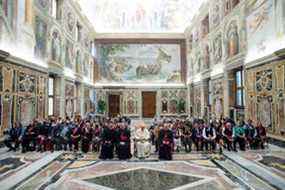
[[140, 104], [82, 100], [158, 103], [226, 93], [62, 97]]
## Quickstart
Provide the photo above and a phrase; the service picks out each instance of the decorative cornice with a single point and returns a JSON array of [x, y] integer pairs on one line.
[[3, 55], [28, 64], [265, 60]]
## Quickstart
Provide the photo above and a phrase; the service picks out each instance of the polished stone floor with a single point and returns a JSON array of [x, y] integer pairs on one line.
[[261, 170]]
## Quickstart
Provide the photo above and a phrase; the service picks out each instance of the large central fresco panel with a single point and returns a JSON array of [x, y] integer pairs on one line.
[[140, 63]]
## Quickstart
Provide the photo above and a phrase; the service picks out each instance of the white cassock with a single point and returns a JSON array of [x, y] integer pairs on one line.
[[143, 145]]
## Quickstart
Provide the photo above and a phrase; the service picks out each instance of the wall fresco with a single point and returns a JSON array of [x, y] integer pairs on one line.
[[261, 29], [140, 63]]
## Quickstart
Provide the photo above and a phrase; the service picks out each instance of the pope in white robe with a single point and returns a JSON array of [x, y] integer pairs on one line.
[[142, 137]]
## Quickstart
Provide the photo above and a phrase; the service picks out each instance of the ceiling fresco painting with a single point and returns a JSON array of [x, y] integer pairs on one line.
[[147, 16]]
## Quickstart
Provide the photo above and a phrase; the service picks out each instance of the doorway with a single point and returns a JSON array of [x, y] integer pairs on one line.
[[114, 105], [149, 104]]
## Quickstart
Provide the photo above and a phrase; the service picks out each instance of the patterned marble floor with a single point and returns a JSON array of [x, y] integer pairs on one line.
[[199, 171]]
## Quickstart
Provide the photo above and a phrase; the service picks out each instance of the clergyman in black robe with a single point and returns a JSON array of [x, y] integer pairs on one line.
[[124, 148], [107, 147], [166, 143]]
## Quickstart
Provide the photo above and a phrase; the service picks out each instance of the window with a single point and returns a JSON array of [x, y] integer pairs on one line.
[[235, 3], [93, 49], [51, 96], [205, 26], [239, 94], [227, 7], [55, 9]]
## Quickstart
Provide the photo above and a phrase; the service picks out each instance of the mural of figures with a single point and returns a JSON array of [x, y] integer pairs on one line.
[[78, 62], [141, 15], [86, 69], [216, 15], [70, 22], [55, 47], [69, 55], [206, 57], [131, 107], [233, 40], [131, 102], [261, 30], [137, 63], [218, 107], [198, 64], [217, 46], [41, 41], [217, 91], [197, 102], [69, 108], [69, 99]]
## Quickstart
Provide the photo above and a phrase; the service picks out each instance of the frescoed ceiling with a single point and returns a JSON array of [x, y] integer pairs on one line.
[[140, 16]]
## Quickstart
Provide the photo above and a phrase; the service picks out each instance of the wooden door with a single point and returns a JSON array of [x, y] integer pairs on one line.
[[114, 105], [149, 104]]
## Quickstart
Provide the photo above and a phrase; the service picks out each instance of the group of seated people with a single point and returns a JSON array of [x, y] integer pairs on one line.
[[117, 137], [212, 136]]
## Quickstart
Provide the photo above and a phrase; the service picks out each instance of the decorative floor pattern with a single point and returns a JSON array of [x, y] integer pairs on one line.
[[124, 175], [195, 171], [273, 159], [11, 162]]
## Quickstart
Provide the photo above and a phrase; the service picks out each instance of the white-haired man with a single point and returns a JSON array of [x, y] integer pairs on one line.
[[142, 137]]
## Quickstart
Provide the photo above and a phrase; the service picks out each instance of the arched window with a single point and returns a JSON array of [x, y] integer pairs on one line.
[[235, 3], [51, 96], [55, 9]]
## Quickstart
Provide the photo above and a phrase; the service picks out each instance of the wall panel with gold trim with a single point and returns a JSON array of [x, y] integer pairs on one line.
[[265, 95], [22, 94]]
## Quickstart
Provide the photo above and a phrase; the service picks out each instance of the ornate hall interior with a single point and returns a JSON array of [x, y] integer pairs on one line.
[[142, 94]]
